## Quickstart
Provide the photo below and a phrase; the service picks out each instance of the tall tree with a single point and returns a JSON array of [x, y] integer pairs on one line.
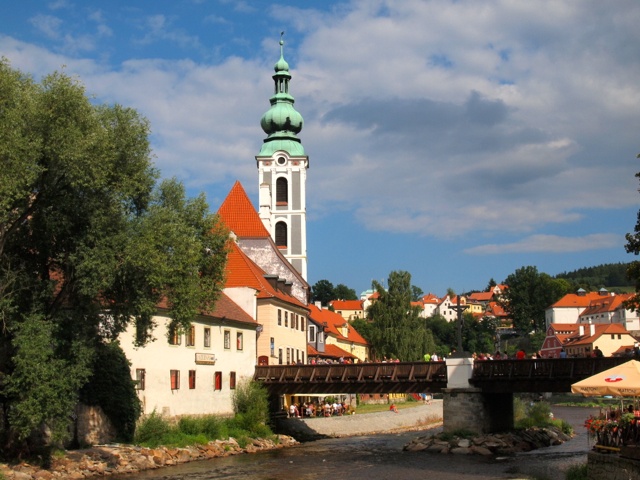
[[633, 272], [88, 244], [397, 330], [529, 294], [416, 293], [342, 292], [322, 292]]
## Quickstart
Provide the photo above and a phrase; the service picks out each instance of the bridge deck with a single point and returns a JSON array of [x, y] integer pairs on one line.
[[491, 376], [403, 377], [539, 375]]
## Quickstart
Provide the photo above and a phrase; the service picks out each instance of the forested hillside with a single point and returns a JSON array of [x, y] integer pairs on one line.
[[606, 275]]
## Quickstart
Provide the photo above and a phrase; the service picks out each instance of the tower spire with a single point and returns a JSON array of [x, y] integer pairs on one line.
[[282, 171], [282, 122]]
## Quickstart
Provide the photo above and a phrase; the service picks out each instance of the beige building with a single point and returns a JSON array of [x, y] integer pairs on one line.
[[194, 372]]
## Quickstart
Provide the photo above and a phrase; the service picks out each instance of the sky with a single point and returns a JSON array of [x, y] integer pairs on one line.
[[458, 140]]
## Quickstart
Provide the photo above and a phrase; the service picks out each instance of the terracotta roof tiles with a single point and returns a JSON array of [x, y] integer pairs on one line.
[[239, 215]]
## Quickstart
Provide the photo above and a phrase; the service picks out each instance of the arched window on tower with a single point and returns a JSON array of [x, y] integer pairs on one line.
[[282, 191], [281, 235]]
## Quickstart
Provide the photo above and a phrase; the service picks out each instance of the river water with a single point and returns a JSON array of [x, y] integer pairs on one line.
[[381, 457]]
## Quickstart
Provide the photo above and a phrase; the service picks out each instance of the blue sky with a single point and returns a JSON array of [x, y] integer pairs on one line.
[[457, 140]]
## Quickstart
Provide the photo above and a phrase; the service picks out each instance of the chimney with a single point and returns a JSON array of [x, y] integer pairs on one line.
[[272, 279], [581, 330], [592, 329], [318, 304]]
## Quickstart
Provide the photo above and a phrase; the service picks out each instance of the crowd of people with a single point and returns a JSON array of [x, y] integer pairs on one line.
[[319, 409]]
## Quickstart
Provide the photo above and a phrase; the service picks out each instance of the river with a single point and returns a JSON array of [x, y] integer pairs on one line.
[[381, 457]]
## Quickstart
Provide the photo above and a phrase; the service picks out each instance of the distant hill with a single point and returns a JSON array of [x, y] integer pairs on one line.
[[609, 275]]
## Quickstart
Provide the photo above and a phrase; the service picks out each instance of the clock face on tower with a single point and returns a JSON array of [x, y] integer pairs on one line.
[[281, 161]]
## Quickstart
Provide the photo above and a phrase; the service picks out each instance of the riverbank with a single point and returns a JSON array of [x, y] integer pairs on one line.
[[106, 460]]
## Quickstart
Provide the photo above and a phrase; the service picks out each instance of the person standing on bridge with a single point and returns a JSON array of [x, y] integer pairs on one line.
[[427, 357]]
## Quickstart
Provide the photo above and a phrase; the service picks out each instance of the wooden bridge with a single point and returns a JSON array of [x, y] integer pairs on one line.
[[491, 376]]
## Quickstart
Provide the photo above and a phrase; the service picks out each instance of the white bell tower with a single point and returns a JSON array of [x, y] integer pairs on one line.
[[282, 172]]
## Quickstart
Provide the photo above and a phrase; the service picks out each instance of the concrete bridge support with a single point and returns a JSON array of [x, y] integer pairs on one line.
[[469, 409]]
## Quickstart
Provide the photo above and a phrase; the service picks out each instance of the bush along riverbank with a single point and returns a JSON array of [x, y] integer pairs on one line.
[[103, 460]]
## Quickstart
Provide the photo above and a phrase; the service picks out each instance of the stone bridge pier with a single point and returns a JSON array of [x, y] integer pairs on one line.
[[467, 408]]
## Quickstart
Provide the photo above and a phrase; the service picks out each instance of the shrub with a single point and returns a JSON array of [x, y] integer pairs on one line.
[[251, 405], [151, 430]]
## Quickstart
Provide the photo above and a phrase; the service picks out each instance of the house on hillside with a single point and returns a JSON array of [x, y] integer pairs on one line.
[[579, 340], [428, 303], [196, 372], [557, 335], [611, 309], [607, 337], [445, 309], [569, 307], [337, 333], [348, 309]]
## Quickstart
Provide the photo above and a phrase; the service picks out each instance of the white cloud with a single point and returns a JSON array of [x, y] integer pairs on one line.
[[435, 118], [550, 244]]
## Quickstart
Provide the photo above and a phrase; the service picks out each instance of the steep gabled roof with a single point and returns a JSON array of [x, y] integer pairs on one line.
[[243, 272], [240, 216], [334, 323]]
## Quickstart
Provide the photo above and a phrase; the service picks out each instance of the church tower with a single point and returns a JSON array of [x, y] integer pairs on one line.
[[282, 172]]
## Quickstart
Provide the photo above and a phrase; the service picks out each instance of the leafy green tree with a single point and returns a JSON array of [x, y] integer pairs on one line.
[[529, 294], [633, 272], [88, 245], [342, 292], [323, 292], [397, 330], [416, 293]]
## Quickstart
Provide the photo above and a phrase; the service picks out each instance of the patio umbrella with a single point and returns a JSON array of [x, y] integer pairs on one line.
[[620, 381]]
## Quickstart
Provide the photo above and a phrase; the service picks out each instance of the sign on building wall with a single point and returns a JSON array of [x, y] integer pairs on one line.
[[205, 358]]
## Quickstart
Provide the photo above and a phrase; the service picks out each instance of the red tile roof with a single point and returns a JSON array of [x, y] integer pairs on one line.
[[573, 300], [240, 216], [227, 308], [606, 304], [331, 351], [481, 296], [242, 272], [600, 329], [346, 304], [334, 323]]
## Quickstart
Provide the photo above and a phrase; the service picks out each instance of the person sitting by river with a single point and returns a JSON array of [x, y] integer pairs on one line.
[[393, 408]]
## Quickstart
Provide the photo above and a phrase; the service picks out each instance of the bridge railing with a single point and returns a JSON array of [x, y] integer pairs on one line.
[[543, 368], [352, 373]]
